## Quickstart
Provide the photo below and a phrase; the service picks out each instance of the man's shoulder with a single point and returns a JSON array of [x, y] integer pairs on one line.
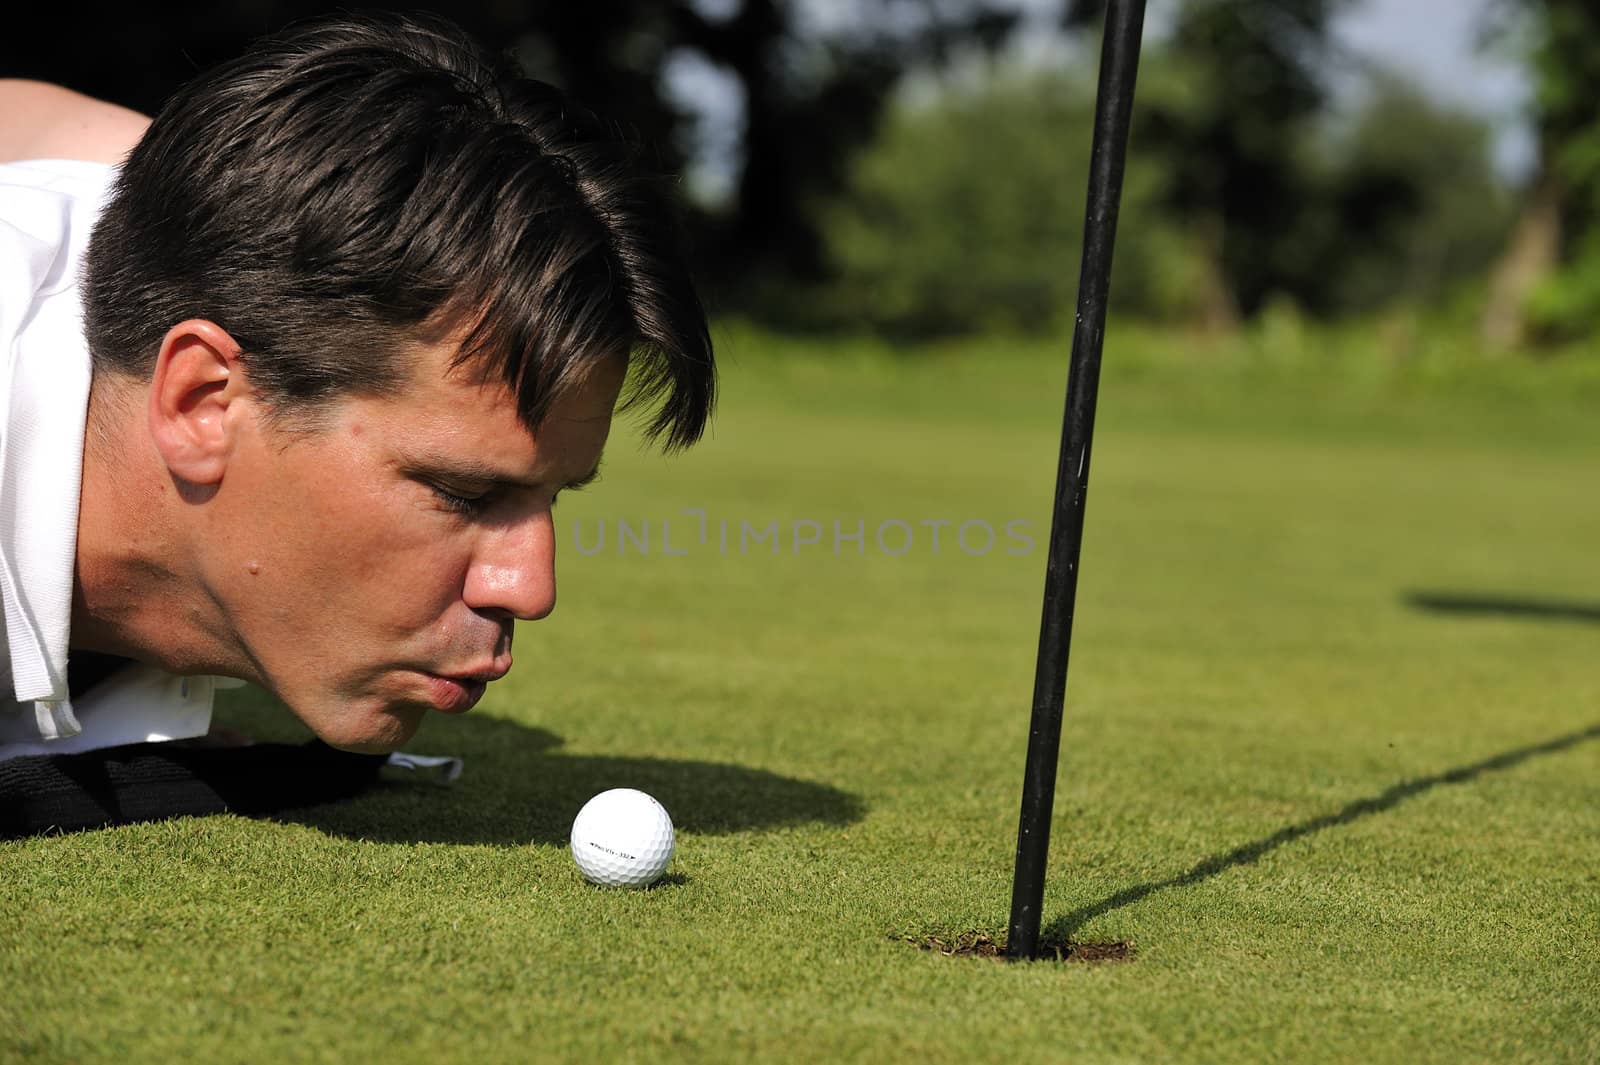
[[43, 120]]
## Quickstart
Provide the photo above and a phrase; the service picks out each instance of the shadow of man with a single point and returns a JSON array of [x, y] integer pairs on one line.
[[519, 787]]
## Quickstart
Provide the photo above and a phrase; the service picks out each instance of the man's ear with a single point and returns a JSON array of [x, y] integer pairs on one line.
[[195, 400]]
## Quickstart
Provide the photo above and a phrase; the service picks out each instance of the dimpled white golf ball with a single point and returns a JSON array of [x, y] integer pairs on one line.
[[622, 838]]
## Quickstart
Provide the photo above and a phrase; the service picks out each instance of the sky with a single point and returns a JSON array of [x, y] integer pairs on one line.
[[1445, 46], [1436, 42]]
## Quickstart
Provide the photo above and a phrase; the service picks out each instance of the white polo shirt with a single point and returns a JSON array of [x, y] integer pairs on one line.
[[47, 209]]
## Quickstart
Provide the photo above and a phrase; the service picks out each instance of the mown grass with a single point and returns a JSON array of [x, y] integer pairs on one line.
[[1330, 759]]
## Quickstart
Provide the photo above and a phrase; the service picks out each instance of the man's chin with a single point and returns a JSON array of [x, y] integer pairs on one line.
[[374, 731]]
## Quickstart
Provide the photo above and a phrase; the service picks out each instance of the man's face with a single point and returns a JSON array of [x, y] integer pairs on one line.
[[370, 570]]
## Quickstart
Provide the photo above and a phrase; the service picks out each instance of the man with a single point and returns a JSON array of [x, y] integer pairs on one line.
[[359, 306]]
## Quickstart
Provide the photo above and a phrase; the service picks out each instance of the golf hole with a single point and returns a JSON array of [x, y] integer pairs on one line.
[[985, 945]]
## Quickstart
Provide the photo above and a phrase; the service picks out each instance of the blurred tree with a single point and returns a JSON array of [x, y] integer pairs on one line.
[[1410, 206], [961, 217], [1547, 286], [1229, 116], [966, 214], [811, 100]]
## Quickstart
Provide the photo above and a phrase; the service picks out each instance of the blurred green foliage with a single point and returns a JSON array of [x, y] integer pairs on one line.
[[1411, 206], [966, 213], [1564, 58], [1231, 125]]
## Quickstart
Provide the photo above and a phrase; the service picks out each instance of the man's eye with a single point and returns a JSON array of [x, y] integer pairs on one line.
[[459, 503]]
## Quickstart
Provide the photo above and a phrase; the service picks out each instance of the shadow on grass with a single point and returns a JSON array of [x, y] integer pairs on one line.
[[518, 787], [1062, 929], [1504, 606]]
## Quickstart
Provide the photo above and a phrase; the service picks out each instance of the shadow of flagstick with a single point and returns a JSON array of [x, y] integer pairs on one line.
[[1063, 928]]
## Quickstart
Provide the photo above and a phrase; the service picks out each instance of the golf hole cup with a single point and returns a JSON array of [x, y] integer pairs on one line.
[[622, 838]]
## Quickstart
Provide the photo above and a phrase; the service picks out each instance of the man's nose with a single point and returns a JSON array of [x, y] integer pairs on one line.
[[514, 569]]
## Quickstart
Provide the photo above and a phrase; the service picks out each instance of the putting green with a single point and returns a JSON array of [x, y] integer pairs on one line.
[[1330, 762]]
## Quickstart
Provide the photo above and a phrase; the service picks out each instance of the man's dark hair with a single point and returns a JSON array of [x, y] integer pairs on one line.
[[353, 184]]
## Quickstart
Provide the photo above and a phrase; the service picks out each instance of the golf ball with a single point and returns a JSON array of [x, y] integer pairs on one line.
[[622, 838]]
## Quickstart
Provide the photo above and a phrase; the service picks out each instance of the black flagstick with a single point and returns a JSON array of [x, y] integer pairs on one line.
[[1119, 65]]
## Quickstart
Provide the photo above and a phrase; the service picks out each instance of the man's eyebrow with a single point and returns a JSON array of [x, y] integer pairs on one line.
[[484, 473]]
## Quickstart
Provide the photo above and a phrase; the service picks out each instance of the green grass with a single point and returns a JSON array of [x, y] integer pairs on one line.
[[1337, 824]]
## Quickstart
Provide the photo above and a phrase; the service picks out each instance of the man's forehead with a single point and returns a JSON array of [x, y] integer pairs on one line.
[[443, 370], [486, 441], [464, 414]]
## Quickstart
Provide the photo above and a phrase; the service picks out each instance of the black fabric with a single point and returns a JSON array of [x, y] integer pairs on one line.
[[155, 781], [85, 669]]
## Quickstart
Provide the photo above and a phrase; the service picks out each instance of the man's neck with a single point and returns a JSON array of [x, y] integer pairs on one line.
[[131, 594]]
